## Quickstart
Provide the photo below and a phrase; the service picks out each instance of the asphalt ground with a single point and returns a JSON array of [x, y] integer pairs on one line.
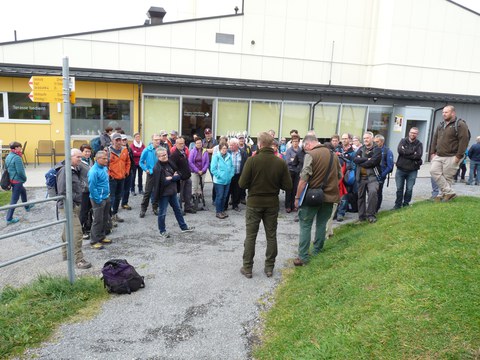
[[196, 304]]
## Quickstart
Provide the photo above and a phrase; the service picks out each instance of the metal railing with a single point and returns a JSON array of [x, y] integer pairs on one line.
[[68, 243]]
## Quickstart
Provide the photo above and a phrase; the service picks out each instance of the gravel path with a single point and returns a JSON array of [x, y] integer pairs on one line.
[[196, 304]]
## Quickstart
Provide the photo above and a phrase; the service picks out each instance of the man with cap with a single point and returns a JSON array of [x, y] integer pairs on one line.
[[164, 141], [118, 170], [173, 137]]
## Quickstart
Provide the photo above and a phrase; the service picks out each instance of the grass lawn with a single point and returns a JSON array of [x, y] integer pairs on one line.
[[5, 197], [30, 315], [407, 287]]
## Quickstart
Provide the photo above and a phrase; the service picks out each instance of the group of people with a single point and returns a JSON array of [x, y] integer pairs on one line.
[[350, 174]]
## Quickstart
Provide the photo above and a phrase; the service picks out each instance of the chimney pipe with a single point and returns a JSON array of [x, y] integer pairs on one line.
[[156, 15]]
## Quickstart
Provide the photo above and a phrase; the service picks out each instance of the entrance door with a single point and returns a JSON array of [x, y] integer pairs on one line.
[[196, 116]]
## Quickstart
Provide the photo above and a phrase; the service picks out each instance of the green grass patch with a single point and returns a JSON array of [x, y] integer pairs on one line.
[[407, 287], [5, 197], [29, 315]]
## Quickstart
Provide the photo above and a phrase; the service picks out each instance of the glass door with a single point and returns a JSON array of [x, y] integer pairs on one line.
[[196, 116]]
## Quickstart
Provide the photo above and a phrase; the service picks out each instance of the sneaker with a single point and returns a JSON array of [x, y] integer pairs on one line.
[[96, 246], [142, 214], [164, 235], [339, 218], [449, 197], [117, 218], [106, 241], [246, 273], [268, 272], [236, 208], [86, 236], [29, 207], [438, 198], [225, 214], [372, 219], [220, 216], [126, 207], [188, 229], [298, 262], [13, 221], [155, 211], [83, 264]]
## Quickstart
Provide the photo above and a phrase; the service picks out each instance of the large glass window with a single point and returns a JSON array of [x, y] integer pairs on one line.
[[325, 120], [378, 120], [295, 116], [232, 117], [160, 113], [353, 119], [265, 115], [20, 107], [2, 110], [196, 116], [92, 116]]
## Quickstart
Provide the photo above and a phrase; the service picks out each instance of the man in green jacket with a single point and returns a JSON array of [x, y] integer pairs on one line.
[[263, 175]]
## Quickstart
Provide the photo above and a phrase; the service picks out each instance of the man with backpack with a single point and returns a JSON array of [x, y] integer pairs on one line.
[[76, 158], [386, 166], [410, 152], [449, 143]]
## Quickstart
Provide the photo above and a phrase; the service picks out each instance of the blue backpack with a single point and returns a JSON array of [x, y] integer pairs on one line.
[[51, 181], [96, 145]]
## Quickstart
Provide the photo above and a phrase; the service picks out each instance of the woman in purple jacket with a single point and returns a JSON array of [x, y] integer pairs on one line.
[[137, 147], [198, 162]]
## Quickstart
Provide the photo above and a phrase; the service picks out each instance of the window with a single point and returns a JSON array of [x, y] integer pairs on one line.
[[325, 120], [232, 117], [160, 113], [20, 107], [265, 115], [353, 119], [92, 116], [295, 116], [378, 120]]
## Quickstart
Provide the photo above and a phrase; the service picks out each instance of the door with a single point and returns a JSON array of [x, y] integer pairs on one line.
[[196, 116]]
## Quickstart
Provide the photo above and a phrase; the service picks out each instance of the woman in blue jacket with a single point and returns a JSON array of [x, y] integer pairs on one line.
[[16, 171], [222, 171]]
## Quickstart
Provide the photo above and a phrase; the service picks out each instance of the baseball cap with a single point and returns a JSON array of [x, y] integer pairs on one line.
[[163, 132], [208, 131], [173, 132], [240, 136], [116, 136], [124, 137]]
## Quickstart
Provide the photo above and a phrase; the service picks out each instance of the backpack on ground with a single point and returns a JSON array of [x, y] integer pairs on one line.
[[96, 145], [120, 277], [5, 183]]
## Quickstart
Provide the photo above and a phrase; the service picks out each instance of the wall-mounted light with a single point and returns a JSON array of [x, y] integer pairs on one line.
[[252, 42]]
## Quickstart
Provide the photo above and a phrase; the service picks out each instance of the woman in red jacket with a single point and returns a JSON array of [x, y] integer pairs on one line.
[[137, 147]]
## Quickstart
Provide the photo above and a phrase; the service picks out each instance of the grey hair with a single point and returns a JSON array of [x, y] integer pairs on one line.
[[159, 150], [233, 141], [74, 151], [380, 137], [100, 153], [368, 133]]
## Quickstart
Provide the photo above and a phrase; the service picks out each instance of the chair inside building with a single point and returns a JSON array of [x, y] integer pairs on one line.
[[44, 148], [58, 150]]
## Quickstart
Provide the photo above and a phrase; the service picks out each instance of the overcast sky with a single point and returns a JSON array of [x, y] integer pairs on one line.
[[34, 18]]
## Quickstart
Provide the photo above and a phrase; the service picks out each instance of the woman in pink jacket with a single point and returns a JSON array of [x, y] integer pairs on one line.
[[137, 147], [198, 161]]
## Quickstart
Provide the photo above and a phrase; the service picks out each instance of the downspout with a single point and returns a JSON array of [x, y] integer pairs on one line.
[[140, 92], [313, 114], [432, 129]]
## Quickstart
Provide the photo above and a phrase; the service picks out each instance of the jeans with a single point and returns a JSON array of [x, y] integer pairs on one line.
[[17, 191], [126, 189], [306, 214], [253, 216], [435, 189], [162, 212], [116, 192], [380, 195], [221, 193], [404, 180], [137, 170], [471, 175]]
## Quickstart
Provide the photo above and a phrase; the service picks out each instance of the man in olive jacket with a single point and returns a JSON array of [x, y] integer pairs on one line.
[[315, 167], [263, 175]]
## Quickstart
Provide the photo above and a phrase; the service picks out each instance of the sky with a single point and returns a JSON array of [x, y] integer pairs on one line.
[[34, 18]]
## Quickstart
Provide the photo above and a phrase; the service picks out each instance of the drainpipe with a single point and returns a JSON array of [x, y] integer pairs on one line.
[[140, 92], [313, 114], [432, 129]]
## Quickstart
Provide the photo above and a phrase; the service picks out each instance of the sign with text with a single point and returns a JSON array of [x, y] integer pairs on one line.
[[50, 89]]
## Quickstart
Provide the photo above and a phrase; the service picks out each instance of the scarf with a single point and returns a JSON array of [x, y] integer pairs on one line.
[[18, 152], [137, 144]]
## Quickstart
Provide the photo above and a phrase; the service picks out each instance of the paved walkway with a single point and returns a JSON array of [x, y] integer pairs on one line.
[[196, 304]]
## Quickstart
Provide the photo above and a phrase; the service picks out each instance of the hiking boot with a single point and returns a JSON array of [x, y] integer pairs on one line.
[[142, 214], [13, 221], [106, 241], [29, 207], [246, 273], [372, 219], [96, 246], [83, 264], [236, 208], [117, 218], [298, 262], [126, 207], [86, 236], [225, 214], [438, 198], [188, 229], [449, 197], [220, 216], [339, 218], [164, 235], [268, 272]]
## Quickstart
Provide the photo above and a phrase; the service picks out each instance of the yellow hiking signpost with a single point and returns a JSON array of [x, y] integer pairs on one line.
[[50, 89]]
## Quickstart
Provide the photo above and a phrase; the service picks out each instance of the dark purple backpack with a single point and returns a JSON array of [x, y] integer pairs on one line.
[[120, 277]]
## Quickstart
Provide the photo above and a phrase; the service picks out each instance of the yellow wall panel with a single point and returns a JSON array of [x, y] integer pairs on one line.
[[101, 91], [6, 84], [120, 91], [21, 85], [84, 89]]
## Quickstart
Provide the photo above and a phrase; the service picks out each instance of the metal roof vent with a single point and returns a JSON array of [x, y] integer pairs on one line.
[[156, 15]]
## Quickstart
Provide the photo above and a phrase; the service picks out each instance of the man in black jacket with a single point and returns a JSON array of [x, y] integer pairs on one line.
[[179, 156], [410, 151]]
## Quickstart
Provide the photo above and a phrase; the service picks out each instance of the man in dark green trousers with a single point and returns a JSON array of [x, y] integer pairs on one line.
[[263, 175]]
